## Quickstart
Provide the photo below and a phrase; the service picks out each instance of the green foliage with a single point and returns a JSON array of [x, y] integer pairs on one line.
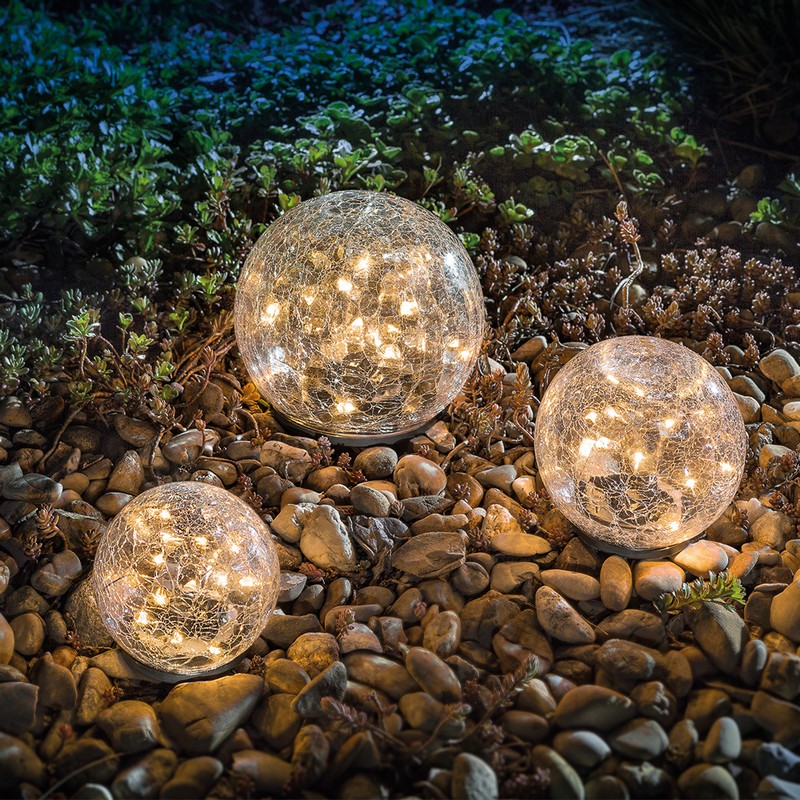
[[722, 588]]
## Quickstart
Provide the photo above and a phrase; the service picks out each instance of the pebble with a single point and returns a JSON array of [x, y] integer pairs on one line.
[[380, 673], [56, 684], [442, 635], [56, 575], [291, 586], [429, 555], [193, 778], [507, 576], [80, 609], [322, 478], [7, 640], [283, 629], [723, 742], [565, 783], [594, 707], [199, 716], [14, 413], [85, 760], [781, 675], [754, 659], [325, 541], [530, 727], [784, 612], [376, 462], [720, 632], [773, 528], [641, 738], [145, 777], [30, 487], [473, 779], [111, 503], [28, 633], [425, 713], [276, 721], [332, 682], [779, 717], [269, 773], [433, 675], [128, 475], [19, 764], [416, 476], [134, 431], [708, 780], [131, 726], [702, 557], [94, 695], [314, 652], [370, 501], [560, 620], [293, 463], [778, 366], [616, 583], [628, 660], [583, 749], [18, 701], [651, 579], [573, 585]]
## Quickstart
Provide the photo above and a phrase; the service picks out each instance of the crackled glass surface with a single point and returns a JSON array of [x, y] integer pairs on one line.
[[186, 577], [640, 443], [359, 313]]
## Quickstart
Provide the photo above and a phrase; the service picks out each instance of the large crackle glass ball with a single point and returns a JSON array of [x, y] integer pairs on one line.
[[359, 314], [640, 443], [186, 577]]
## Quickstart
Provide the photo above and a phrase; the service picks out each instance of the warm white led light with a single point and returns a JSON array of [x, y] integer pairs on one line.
[[188, 591], [359, 314], [662, 460]]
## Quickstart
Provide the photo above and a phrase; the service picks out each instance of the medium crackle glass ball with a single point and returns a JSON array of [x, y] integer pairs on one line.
[[359, 314], [186, 577], [640, 443]]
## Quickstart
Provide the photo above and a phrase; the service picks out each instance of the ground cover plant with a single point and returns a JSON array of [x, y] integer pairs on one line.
[[142, 151]]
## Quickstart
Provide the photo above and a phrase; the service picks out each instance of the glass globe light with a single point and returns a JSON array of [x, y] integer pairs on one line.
[[640, 443], [359, 315], [186, 577]]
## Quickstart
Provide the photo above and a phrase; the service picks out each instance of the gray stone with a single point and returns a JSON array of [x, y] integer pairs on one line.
[[565, 783], [702, 557], [111, 503], [376, 462], [95, 694], [508, 576], [583, 749], [14, 413], [643, 739], [54, 577], [593, 707], [134, 431], [325, 541], [780, 717], [627, 660], [80, 609], [426, 713], [332, 682], [473, 779], [754, 659], [723, 742], [721, 634], [370, 501], [199, 716], [131, 726], [708, 781], [773, 528], [283, 629], [778, 366], [442, 634], [633, 623], [781, 675], [428, 555], [128, 474], [560, 620], [85, 760], [144, 778], [310, 752]]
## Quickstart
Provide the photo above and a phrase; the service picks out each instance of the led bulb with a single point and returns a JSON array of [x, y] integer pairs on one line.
[[640, 443], [359, 315], [189, 590]]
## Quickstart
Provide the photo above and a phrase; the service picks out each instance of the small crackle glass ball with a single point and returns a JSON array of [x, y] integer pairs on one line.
[[186, 577], [359, 314], [640, 443]]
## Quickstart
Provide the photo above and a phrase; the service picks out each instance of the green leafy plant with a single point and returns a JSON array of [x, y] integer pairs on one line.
[[722, 588]]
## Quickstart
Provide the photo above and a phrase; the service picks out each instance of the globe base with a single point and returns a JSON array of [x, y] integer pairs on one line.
[[148, 673], [638, 555], [352, 440]]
